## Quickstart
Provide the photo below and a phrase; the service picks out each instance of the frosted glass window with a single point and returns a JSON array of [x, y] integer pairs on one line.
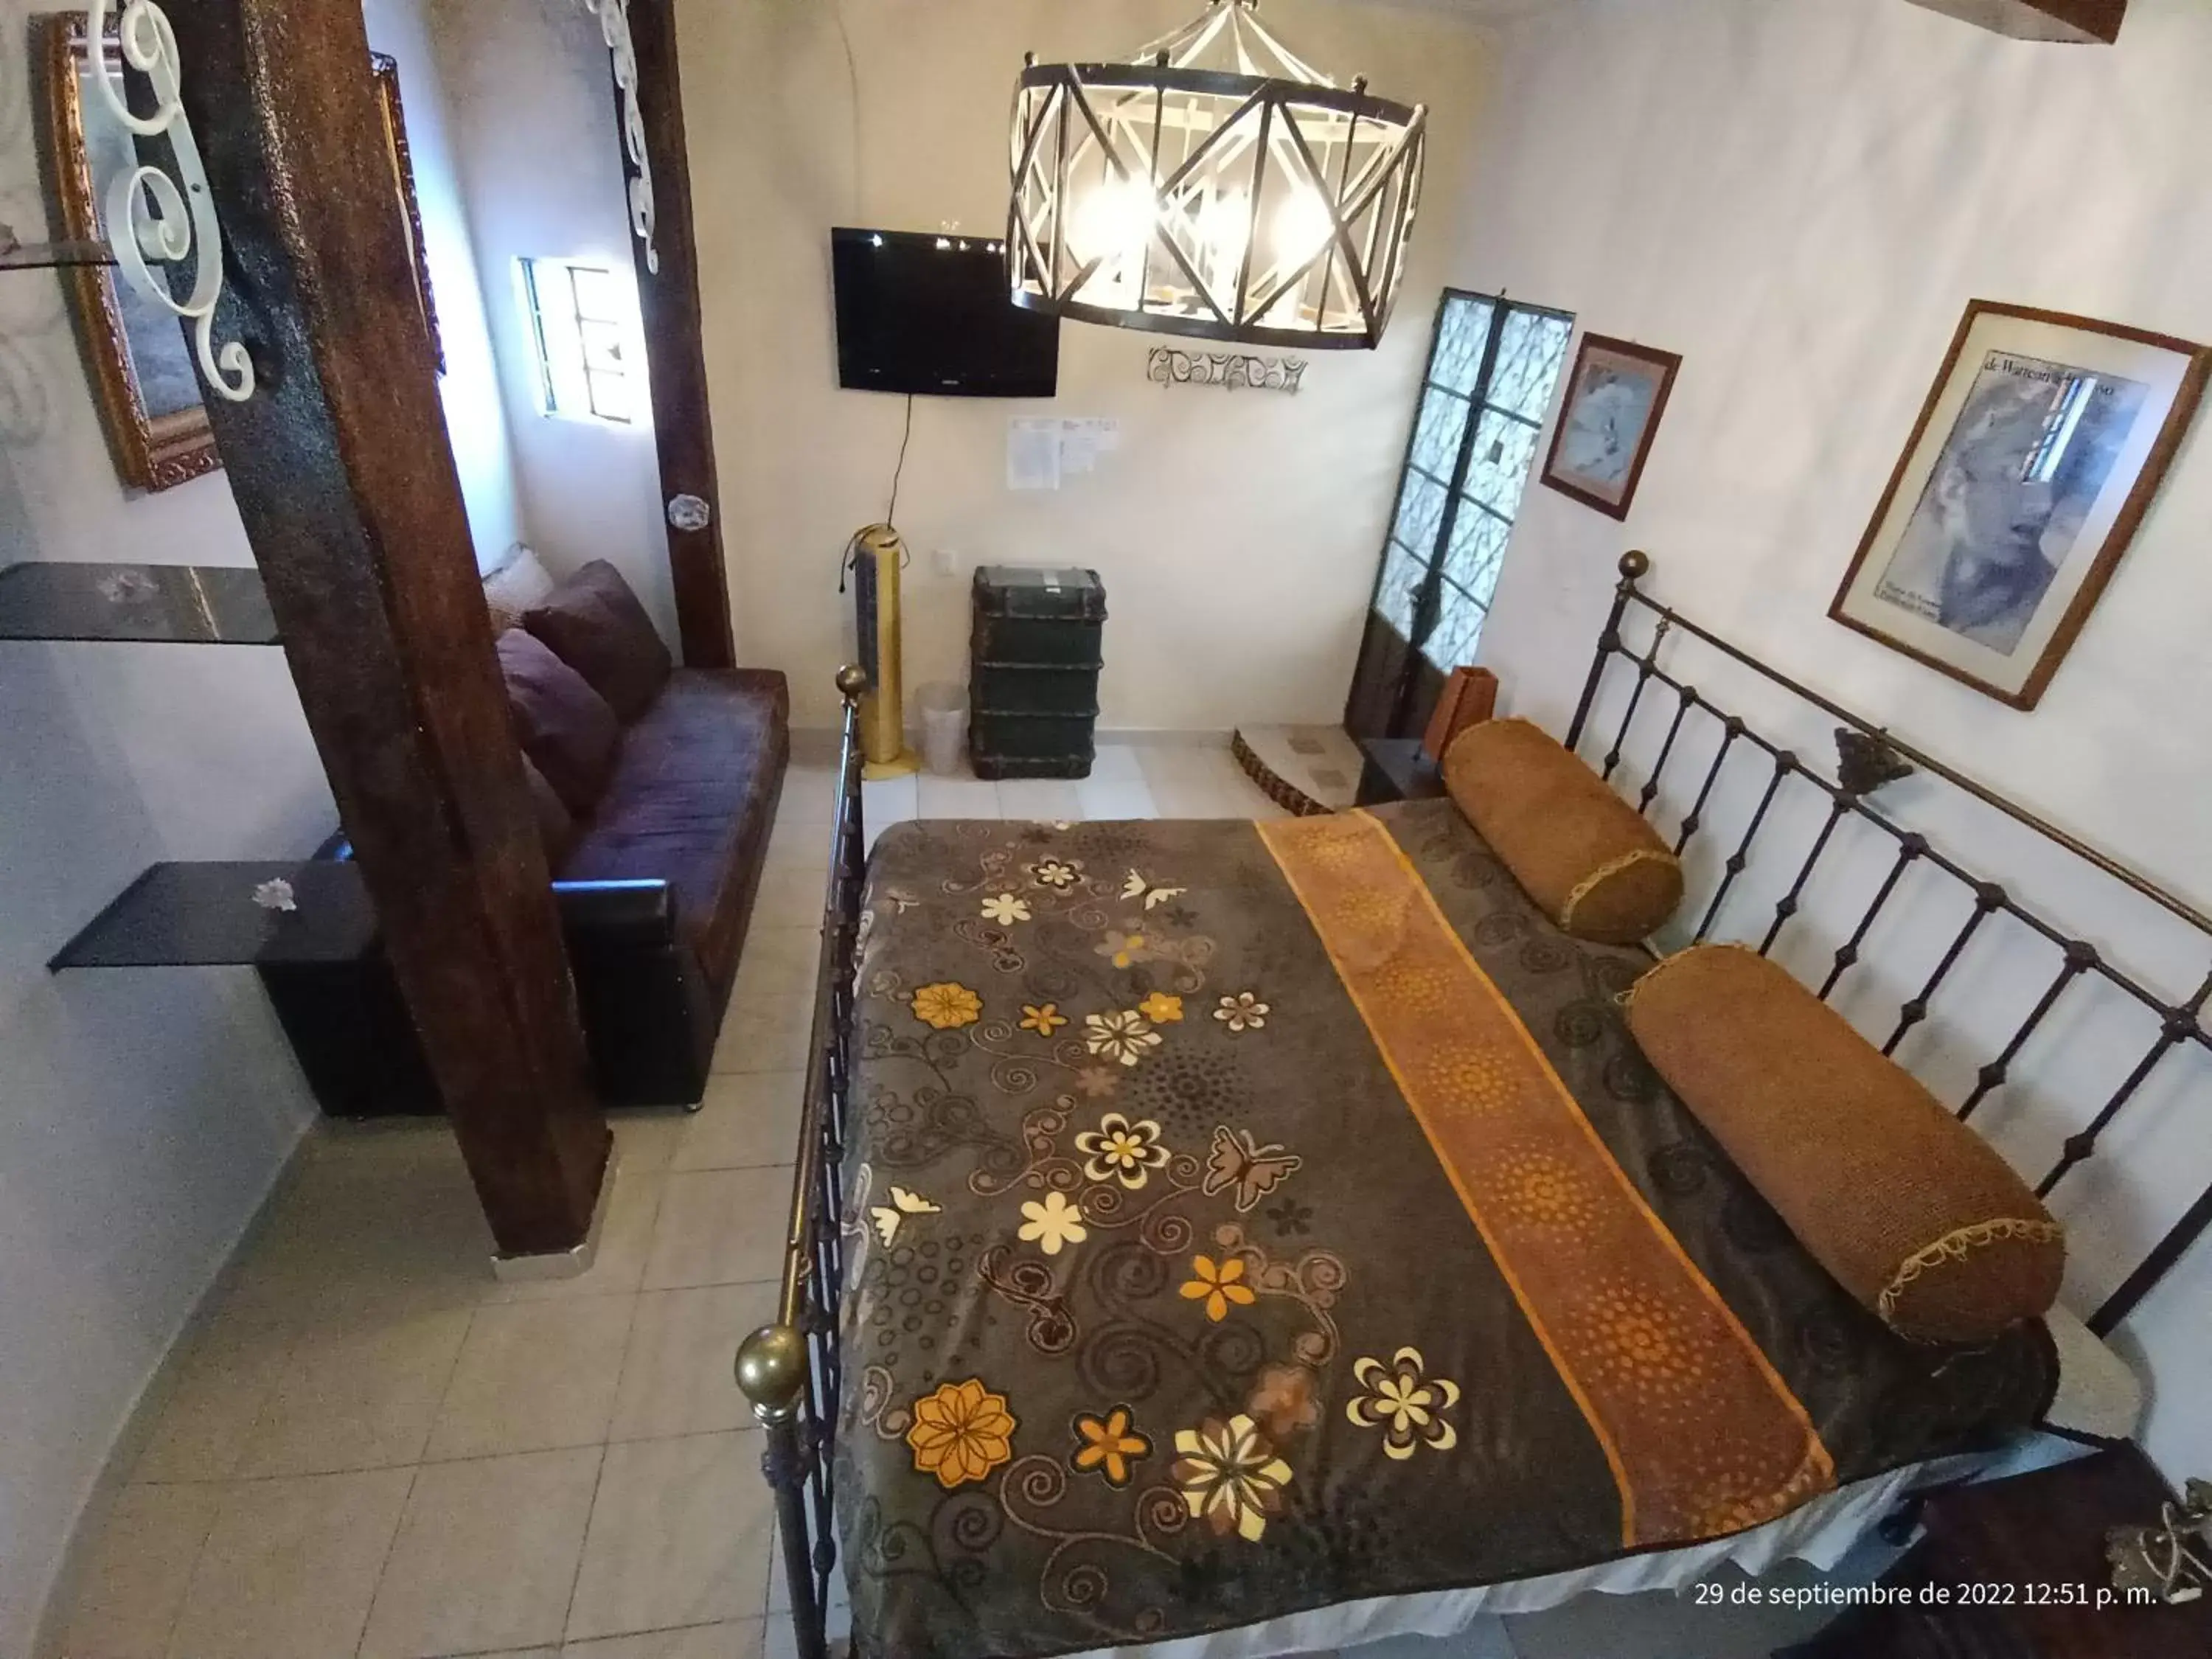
[[1531, 350], [584, 322], [1462, 337], [1504, 448], [1492, 368], [1439, 433], [1420, 513]]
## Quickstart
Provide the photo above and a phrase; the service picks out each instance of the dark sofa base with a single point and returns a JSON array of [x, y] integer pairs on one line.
[[655, 899]]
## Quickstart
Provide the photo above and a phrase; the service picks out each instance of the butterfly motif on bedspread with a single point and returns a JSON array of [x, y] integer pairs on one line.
[[1137, 887], [1240, 1161], [904, 1204]]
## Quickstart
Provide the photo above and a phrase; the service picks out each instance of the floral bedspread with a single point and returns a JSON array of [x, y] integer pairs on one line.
[[1209, 1262]]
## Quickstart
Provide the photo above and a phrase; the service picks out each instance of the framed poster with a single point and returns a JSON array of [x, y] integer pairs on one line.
[[1614, 399], [2035, 457]]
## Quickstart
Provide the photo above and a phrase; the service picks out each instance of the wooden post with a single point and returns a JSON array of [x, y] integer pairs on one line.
[[676, 358], [2079, 22], [343, 475]]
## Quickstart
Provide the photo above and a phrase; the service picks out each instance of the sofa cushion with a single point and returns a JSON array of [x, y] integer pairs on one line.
[[691, 802], [595, 624], [512, 585], [565, 728]]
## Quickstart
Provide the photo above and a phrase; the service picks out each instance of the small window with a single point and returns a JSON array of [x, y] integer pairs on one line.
[[584, 319]]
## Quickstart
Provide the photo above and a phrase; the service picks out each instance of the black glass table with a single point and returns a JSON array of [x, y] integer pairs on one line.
[[207, 915], [135, 604], [322, 964]]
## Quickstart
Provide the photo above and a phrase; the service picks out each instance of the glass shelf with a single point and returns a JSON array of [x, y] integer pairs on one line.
[[145, 604], [188, 915], [48, 256]]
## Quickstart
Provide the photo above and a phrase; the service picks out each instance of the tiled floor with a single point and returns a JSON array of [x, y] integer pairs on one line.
[[374, 1448]]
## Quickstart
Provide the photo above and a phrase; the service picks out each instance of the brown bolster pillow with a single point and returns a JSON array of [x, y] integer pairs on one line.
[[1580, 851], [1910, 1210]]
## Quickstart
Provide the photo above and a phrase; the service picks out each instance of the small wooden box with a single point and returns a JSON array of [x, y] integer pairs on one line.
[[1469, 697]]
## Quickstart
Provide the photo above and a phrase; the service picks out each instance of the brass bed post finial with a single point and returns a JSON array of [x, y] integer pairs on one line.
[[772, 1372], [852, 682], [1634, 565]]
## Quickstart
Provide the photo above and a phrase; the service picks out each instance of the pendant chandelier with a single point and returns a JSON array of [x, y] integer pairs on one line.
[[1214, 185]]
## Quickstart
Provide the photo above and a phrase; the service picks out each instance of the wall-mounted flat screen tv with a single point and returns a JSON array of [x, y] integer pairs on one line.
[[921, 313]]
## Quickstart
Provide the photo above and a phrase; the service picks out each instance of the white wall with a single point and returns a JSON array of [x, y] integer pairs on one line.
[[1236, 532], [475, 415], [535, 144], [144, 1114], [1800, 196]]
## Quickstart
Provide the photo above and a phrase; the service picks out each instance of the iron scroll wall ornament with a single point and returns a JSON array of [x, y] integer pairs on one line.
[[614, 29], [1170, 367], [154, 218]]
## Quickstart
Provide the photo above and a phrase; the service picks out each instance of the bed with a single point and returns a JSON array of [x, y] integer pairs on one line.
[[1234, 1238]]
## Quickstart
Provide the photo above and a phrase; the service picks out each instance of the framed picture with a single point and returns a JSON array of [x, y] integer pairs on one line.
[[387, 69], [2036, 455], [1614, 399], [143, 378], [142, 375]]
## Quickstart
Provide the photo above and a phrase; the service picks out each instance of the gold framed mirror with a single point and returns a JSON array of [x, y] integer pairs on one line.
[[136, 356], [140, 364]]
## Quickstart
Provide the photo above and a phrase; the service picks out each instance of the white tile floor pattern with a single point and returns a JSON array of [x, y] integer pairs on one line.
[[374, 1450]]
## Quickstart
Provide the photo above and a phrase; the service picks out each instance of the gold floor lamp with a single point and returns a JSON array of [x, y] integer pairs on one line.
[[877, 553]]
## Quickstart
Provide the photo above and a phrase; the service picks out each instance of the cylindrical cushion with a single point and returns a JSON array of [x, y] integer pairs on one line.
[[1580, 851], [1912, 1211]]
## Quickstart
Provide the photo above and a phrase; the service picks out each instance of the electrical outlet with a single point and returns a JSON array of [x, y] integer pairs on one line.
[[945, 561]]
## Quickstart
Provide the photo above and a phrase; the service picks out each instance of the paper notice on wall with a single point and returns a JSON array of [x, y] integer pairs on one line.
[[1033, 454], [1083, 441], [1040, 454]]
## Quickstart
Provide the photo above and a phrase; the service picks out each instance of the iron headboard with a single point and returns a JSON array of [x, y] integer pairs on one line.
[[1870, 758]]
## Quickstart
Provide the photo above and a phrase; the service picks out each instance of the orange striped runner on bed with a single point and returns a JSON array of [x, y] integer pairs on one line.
[[1702, 1436]]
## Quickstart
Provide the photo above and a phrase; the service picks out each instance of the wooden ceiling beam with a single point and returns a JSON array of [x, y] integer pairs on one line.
[[674, 349], [345, 478], [2079, 22]]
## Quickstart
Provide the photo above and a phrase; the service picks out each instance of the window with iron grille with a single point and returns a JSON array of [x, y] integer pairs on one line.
[[583, 319], [1493, 365]]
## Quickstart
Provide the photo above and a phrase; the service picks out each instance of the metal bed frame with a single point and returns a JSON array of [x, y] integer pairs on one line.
[[791, 1371]]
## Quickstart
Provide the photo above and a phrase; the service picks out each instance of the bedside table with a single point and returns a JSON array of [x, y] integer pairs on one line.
[[1394, 769], [2004, 1570]]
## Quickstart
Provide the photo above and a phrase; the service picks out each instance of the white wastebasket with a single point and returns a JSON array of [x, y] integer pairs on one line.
[[943, 708]]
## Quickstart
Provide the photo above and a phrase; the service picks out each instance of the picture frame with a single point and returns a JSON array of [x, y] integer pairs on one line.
[[2037, 452], [386, 71], [1615, 396], [144, 382]]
